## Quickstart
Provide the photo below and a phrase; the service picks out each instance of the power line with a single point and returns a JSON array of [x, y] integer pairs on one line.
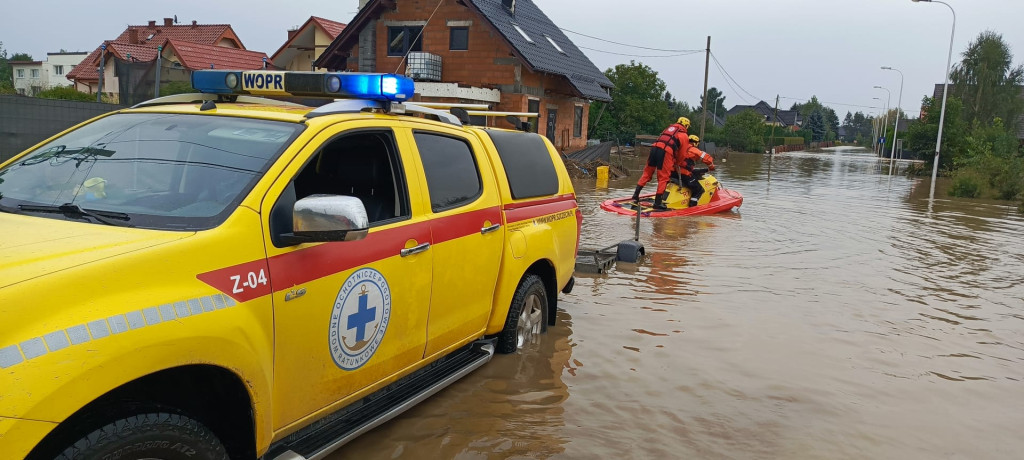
[[722, 68], [631, 46], [640, 55], [832, 103]]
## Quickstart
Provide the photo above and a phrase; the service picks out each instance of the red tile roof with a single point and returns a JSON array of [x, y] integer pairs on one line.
[[206, 34], [138, 52], [194, 56], [333, 28]]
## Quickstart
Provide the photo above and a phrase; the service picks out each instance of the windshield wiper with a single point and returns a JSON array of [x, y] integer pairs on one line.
[[118, 219]]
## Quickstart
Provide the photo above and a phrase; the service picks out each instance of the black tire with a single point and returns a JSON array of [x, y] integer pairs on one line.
[[531, 298], [158, 435]]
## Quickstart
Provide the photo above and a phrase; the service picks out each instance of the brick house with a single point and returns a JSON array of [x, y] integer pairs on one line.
[[505, 53], [305, 44], [141, 43]]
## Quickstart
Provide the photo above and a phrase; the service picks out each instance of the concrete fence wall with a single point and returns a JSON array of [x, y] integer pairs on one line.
[[25, 121]]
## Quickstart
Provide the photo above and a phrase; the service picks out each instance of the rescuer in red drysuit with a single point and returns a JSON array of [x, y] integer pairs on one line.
[[684, 162], [662, 159]]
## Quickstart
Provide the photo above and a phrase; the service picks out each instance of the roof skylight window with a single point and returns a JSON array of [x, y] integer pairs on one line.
[[522, 32], [559, 48]]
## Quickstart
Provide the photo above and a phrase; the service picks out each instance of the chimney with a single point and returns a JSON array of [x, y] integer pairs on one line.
[[152, 24], [292, 32], [193, 23], [133, 35], [168, 22]]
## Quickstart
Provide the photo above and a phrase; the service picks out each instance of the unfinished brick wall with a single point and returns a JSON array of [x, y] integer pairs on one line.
[[488, 63]]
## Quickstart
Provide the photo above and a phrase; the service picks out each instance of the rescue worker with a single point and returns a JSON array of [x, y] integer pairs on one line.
[[685, 160], [661, 160]]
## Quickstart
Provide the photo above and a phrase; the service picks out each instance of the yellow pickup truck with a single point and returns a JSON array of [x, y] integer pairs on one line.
[[221, 275]]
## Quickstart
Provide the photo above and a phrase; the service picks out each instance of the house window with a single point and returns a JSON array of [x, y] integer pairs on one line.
[[458, 38], [402, 40], [523, 33], [35, 73], [58, 70], [559, 48], [21, 73], [533, 106], [21, 91], [577, 124]]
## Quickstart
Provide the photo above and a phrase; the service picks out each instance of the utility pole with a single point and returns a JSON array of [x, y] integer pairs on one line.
[[156, 70], [103, 59], [771, 140], [707, 65]]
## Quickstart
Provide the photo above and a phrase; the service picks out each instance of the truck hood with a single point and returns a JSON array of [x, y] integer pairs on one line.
[[31, 247]]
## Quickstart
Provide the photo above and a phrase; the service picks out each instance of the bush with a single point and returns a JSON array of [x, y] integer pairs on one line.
[[65, 93], [966, 184], [176, 87]]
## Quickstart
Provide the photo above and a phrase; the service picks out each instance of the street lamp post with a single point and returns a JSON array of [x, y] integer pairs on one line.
[[895, 126], [874, 129], [945, 91], [885, 123]]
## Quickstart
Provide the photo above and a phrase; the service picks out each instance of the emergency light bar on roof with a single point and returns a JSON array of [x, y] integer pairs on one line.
[[339, 85]]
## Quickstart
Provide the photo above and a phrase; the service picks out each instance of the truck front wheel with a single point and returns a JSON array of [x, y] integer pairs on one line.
[[157, 435], [527, 316]]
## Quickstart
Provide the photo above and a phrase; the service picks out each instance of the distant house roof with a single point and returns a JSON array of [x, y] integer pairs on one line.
[[539, 55], [194, 56], [331, 28], [25, 62], [137, 52], [152, 36], [785, 117]]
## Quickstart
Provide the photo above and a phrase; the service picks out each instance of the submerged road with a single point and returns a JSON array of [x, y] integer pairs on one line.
[[836, 315]]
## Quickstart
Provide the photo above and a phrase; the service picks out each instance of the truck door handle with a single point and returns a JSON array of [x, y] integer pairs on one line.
[[486, 230], [415, 250]]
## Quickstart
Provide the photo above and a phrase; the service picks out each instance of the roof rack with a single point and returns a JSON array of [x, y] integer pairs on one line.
[[190, 98]]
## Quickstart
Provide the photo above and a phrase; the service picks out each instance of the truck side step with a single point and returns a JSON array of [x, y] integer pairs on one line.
[[335, 430]]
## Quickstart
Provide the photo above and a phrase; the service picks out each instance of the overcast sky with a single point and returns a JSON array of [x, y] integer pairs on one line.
[[793, 48]]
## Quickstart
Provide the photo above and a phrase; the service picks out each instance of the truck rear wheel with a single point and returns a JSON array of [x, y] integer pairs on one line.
[[527, 316], [157, 435]]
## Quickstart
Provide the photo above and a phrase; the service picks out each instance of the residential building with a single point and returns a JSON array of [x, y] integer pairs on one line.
[[31, 77], [504, 53], [305, 44], [786, 118], [141, 44], [28, 77]]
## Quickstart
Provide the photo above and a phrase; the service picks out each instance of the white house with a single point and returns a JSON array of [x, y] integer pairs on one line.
[[31, 77]]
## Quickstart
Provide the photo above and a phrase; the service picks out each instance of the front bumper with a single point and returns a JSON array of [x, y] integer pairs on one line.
[[18, 436]]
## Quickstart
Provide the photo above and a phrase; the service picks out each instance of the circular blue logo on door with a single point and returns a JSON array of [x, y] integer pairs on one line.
[[360, 318]]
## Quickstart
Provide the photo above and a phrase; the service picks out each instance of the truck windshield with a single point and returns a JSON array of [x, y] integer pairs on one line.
[[161, 171]]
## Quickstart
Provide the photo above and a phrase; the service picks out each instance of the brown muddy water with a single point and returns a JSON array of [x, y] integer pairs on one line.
[[836, 315]]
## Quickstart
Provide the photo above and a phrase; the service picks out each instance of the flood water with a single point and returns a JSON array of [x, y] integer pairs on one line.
[[836, 315]]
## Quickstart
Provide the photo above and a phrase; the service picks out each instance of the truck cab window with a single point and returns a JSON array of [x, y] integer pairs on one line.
[[364, 165]]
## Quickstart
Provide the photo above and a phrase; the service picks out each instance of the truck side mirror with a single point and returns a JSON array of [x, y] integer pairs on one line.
[[327, 218]]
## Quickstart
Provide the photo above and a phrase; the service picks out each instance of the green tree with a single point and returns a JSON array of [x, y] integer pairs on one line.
[[816, 125], [743, 132], [716, 102], [986, 81], [637, 107], [922, 135]]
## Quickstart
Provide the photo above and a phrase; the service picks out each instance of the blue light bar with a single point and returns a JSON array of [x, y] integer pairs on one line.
[[337, 85]]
